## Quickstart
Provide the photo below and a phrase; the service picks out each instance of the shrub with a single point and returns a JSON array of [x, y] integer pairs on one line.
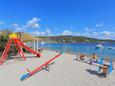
[[4, 37]]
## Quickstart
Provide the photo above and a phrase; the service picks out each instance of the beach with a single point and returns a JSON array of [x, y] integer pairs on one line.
[[64, 71]]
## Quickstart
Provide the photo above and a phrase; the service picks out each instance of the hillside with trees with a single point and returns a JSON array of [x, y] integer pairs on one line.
[[72, 39]]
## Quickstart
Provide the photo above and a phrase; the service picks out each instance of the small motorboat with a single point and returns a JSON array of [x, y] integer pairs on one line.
[[99, 46]]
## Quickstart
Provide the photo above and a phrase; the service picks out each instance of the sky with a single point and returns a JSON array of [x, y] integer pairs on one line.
[[90, 18]]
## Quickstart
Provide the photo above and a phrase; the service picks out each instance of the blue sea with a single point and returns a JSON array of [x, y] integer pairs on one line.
[[86, 48]]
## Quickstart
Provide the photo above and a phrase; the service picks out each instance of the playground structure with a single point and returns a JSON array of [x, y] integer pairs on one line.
[[19, 45], [36, 45], [46, 64]]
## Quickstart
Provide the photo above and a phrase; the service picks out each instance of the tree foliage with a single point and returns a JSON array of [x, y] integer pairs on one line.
[[4, 37]]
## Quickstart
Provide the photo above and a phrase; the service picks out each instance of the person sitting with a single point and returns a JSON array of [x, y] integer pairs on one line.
[[87, 59], [94, 58], [104, 70], [81, 57]]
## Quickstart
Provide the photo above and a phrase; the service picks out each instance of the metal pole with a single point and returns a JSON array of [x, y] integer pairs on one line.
[[37, 44], [34, 44]]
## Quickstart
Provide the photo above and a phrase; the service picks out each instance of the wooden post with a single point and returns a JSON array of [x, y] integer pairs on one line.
[[21, 38]]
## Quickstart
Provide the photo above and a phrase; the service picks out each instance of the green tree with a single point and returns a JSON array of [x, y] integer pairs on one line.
[[4, 37]]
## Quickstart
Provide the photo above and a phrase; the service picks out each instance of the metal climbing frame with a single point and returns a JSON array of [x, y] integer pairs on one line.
[[18, 44]]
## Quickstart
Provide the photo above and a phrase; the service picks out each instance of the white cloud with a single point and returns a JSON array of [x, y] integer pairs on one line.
[[43, 33], [93, 34], [77, 34], [31, 24], [90, 32], [87, 34], [89, 29], [100, 35], [48, 32], [1, 22], [67, 32], [17, 28], [99, 25], [106, 33], [113, 34]]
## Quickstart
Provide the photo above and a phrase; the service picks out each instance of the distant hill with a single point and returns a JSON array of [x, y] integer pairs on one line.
[[72, 39]]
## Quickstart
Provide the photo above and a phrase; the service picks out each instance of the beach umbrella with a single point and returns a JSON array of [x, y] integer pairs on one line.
[[100, 62], [110, 67]]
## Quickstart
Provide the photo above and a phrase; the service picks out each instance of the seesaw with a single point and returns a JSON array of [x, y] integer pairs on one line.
[[39, 68]]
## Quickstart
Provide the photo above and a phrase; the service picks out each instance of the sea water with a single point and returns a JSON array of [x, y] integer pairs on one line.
[[108, 51]]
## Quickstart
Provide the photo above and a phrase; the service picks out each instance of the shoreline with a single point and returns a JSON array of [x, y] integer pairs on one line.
[[88, 56], [77, 53]]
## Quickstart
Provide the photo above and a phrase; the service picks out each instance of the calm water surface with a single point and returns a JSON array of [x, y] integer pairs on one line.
[[87, 48]]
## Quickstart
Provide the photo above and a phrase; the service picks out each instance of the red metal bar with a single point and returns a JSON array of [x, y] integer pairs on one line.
[[19, 43], [29, 49], [38, 68], [45, 64], [19, 49], [6, 51]]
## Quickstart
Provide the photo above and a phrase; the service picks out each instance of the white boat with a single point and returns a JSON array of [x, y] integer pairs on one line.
[[99, 46]]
